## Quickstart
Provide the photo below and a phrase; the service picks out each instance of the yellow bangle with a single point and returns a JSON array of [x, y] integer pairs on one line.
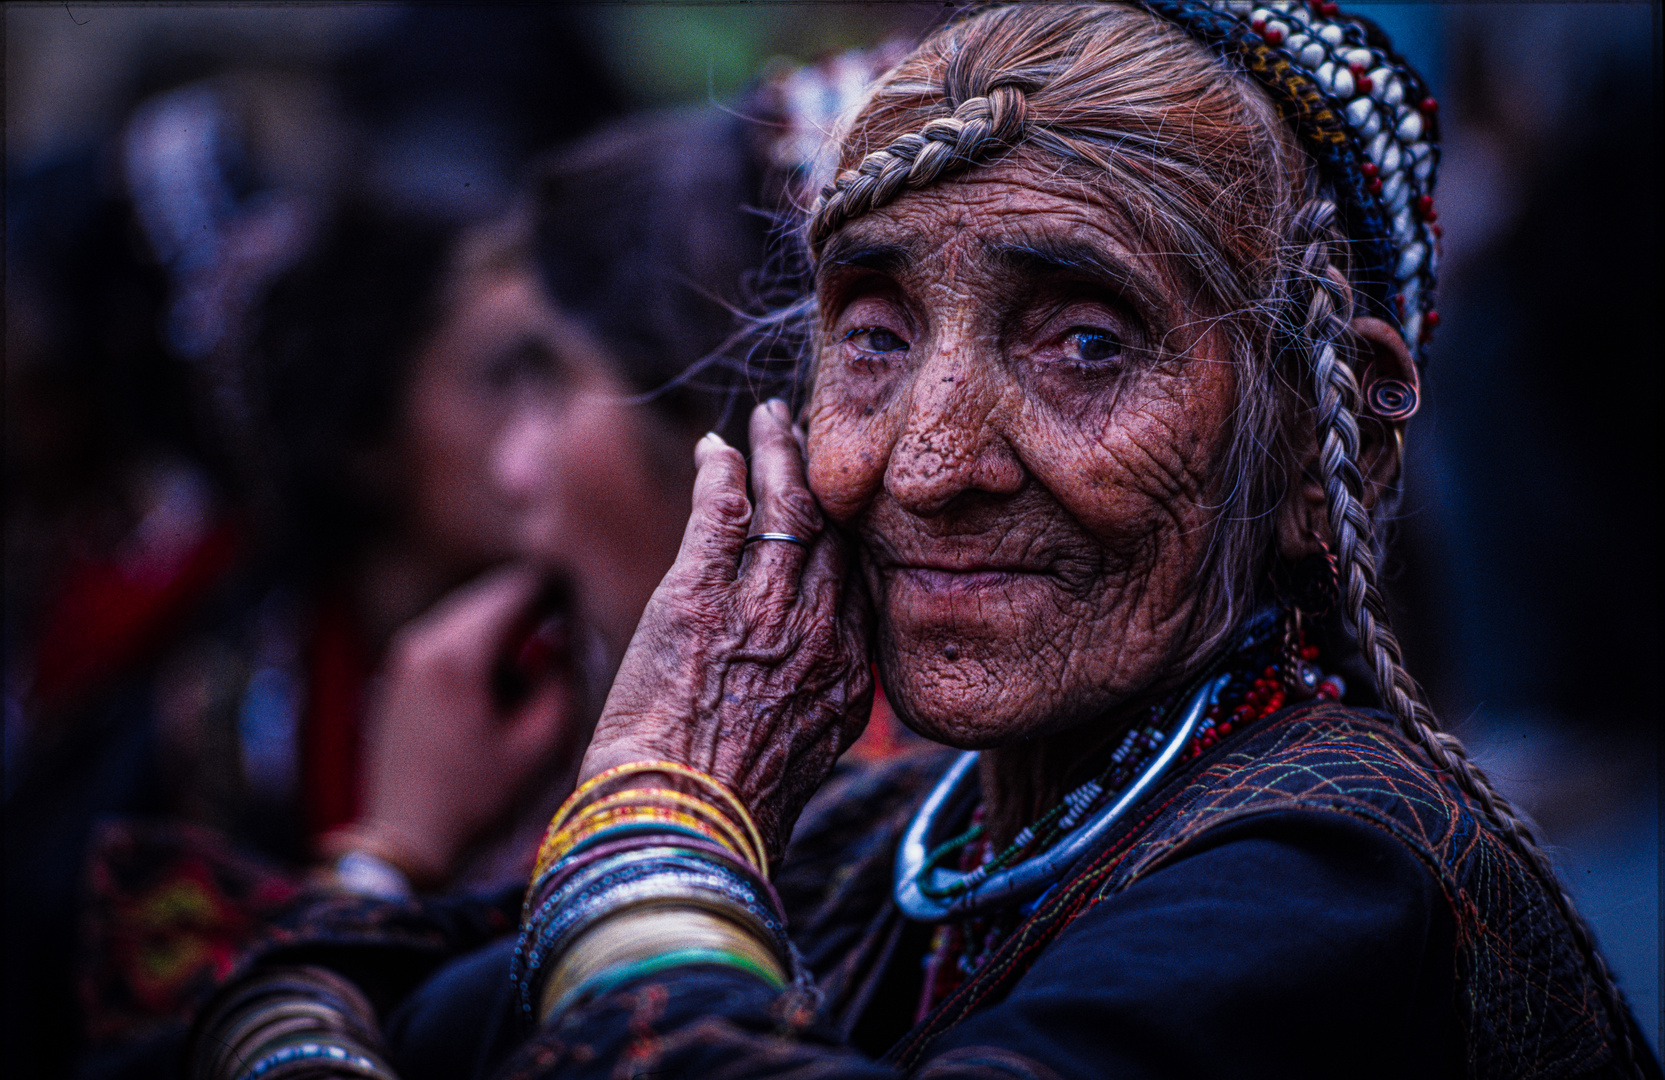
[[586, 826], [590, 822], [729, 800], [607, 776], [691, 803]]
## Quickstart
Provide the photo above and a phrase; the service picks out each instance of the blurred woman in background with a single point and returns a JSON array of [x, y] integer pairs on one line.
[[573, 359], [376, 413], [327, 344]]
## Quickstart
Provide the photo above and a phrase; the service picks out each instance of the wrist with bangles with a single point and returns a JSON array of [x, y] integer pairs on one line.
[[631, 882], [288, 1024]]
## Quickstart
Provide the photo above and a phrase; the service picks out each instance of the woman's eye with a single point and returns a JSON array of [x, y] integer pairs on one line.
[[876, 339], [1093, 348], [526, 366]]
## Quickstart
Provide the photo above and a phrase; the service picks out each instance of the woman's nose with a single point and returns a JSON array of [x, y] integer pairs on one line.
[[951, 443], [519, 460]]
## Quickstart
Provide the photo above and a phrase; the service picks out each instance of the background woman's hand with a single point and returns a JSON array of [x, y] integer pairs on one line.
[[446, 760], [751, 661]]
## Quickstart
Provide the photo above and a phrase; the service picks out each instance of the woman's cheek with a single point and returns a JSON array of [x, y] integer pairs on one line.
[[1149, 469], [848, 451]]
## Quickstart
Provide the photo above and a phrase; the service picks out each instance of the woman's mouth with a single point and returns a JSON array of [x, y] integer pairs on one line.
[[961, 578], [941, 579]]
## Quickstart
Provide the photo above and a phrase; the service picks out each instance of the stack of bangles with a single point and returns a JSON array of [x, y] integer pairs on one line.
[[295, 1023], [634, 881]]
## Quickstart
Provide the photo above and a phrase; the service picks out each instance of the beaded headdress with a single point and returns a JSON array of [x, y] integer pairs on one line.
[[1367, 119]]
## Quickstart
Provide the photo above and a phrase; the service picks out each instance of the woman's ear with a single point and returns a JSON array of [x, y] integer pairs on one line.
[[1379, 353]]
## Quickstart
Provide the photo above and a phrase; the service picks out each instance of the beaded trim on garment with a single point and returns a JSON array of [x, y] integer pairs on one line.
[[1368, 120]]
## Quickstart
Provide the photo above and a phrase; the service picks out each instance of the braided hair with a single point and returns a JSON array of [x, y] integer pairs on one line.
[[1328, 311], [1340, 250], [981, 127]]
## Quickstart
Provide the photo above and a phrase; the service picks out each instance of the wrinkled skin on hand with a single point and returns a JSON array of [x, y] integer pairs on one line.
[[750, 662]]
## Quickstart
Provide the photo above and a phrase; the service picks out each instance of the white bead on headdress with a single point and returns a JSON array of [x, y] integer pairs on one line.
[[1386, 183]]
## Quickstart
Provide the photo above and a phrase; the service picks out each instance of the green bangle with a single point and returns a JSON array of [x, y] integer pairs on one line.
[[603, 982]]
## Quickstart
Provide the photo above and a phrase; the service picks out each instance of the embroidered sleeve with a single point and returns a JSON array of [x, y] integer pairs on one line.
[[717, 1022]]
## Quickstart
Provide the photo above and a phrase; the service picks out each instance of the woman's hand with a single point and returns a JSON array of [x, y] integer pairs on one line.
[[750, 662], [446, 761]]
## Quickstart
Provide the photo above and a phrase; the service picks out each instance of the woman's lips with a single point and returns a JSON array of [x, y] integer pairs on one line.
[[943, 580]]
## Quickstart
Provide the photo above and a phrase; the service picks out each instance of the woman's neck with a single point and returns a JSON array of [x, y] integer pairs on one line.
[[1023, 781]]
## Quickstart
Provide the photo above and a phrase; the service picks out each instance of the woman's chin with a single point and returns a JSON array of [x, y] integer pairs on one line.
[[955, 736], [964, 704]]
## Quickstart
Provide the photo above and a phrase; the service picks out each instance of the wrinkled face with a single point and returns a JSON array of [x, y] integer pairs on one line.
[[1025, 426]]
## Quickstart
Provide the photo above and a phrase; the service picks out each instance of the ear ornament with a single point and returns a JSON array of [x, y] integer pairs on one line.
[[1392, 400]]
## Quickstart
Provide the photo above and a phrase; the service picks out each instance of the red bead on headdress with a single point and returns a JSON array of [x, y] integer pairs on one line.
[[1364, 115]]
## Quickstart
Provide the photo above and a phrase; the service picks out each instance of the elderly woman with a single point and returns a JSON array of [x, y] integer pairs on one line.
[[1114, 335]]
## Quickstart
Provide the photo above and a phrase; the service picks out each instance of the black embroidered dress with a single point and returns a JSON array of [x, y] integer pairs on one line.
[[1304, 899]]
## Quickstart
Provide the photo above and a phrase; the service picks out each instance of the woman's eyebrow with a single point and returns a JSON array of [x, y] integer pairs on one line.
[[849, 252], [1041, 257]]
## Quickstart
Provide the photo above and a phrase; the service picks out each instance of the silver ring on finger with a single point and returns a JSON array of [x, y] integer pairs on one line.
[[785, 537]]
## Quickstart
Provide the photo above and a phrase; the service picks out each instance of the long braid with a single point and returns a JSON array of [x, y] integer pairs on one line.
[[1328, 310]]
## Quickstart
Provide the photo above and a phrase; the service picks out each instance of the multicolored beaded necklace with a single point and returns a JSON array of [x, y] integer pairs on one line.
[[1264, 694], [1262, 679]]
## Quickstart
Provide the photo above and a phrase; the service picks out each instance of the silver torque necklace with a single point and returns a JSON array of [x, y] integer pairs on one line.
[[932, 893]]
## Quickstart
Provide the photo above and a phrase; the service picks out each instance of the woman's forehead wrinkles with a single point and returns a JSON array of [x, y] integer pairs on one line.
[[998, 207]]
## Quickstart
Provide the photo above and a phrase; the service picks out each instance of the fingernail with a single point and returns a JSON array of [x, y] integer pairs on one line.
[[778, 409], [708, 444]]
